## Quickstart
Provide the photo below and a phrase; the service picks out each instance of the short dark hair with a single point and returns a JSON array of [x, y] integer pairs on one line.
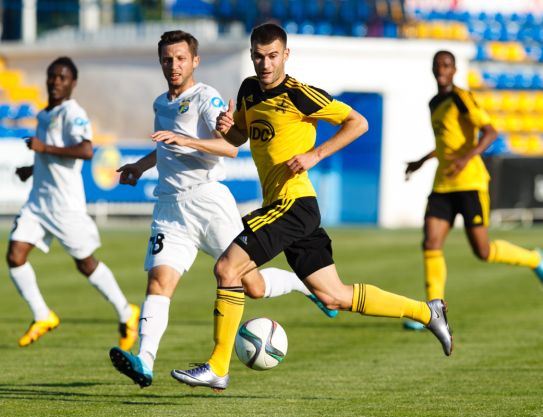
[[267, 33], [64, 61], [178, 36], [444, 52]]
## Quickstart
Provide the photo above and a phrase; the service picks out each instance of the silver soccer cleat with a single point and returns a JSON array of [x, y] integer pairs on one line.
[[439, 325], [201, 376]]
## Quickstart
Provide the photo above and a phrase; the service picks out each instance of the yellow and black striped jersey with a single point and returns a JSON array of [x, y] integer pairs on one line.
[[280, 124], [456, 119]]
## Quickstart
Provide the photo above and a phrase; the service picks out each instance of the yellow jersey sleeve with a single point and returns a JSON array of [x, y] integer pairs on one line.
[[334, 112], [470, 109]]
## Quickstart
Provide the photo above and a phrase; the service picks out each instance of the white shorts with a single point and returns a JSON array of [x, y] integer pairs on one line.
[[205, 218], [76, 231]]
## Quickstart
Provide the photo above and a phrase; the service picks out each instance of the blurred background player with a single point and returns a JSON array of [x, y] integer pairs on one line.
[[280, 114], [194, 210], [461, 182], [56, 207]]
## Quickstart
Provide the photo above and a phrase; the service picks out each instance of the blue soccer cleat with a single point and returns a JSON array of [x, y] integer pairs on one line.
[[132, 366], [538, 270], [413, 325], [327, 311]]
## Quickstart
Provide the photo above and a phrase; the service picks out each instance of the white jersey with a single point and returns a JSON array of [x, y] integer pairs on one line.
[[57, 182], [193, 114]]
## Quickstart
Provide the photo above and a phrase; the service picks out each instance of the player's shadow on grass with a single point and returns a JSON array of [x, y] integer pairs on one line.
[[30, 392]]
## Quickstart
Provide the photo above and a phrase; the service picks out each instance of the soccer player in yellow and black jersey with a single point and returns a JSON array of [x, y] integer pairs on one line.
[[461, 181], [279, 116]]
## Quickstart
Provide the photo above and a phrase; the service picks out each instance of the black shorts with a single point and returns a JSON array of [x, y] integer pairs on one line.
[[291, 226], [472, 205]]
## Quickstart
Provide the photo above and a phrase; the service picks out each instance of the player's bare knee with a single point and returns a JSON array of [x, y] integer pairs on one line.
[[253, 291], [87, 265], [225, 274], [15, 259], [482, 253]]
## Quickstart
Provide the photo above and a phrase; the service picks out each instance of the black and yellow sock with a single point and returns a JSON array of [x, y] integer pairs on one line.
[[372, 301], [435, 274], [506, 253], [227, 316]]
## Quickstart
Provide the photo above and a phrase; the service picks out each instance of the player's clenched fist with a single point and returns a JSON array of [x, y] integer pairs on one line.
[[225, 120], [130, 174]]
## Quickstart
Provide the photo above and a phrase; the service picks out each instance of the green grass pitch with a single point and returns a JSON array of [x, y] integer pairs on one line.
[[348, 366]]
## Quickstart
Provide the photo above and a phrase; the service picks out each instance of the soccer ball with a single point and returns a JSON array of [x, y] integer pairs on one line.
[[261, 343]]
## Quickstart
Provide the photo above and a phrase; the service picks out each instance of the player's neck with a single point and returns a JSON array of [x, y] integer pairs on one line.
[[174, 92], [280, 80], [54, 103], [446, 89]]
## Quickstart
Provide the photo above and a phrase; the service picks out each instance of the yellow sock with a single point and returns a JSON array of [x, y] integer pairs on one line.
[[227, 315], [435, 274], [372, 301], [506, 253]]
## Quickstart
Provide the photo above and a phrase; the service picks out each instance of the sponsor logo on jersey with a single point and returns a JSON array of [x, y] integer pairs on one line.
[[217, 102], [184, 106], [79, 121], [249, 98], [261, 130], [104, 165]]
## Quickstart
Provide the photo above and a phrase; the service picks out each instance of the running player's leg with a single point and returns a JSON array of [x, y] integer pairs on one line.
[[102, 278], [27, 233], [223, 226], [435, 268], [372, 301], [475, 209]]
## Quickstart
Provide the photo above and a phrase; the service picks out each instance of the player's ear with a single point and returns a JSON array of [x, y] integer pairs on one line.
[[196, 61], [287, 53]]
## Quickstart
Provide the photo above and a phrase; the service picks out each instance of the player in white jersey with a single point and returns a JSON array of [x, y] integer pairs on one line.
[[194, 210], [56, 207]]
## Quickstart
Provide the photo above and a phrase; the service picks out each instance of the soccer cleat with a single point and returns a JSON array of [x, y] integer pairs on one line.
[[129, 330], [439, 325], [132, 366], [327, 311], [538, 270], [413, 325], [201, 376], [38, 328]]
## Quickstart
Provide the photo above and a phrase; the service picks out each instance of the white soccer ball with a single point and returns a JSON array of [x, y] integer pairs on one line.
[[261, 343]]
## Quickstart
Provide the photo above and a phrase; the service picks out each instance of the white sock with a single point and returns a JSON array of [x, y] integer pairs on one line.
[[281, 282], [153, 324], [24, 279], [103, 280]]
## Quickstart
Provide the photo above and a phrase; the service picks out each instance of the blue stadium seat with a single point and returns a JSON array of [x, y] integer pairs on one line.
[[279, 9], [307, 28], [481, 54], [24, 111], [323, 28], [6, 111], [291, 27], [225, 9], [390, 30], [359, 29], [296, 11]]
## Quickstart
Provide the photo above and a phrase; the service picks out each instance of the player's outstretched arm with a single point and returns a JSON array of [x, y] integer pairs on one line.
[[24, 173], [227, 127], [354, 126], [82, 150], [415, 165], [131, 173], [216, 145]]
